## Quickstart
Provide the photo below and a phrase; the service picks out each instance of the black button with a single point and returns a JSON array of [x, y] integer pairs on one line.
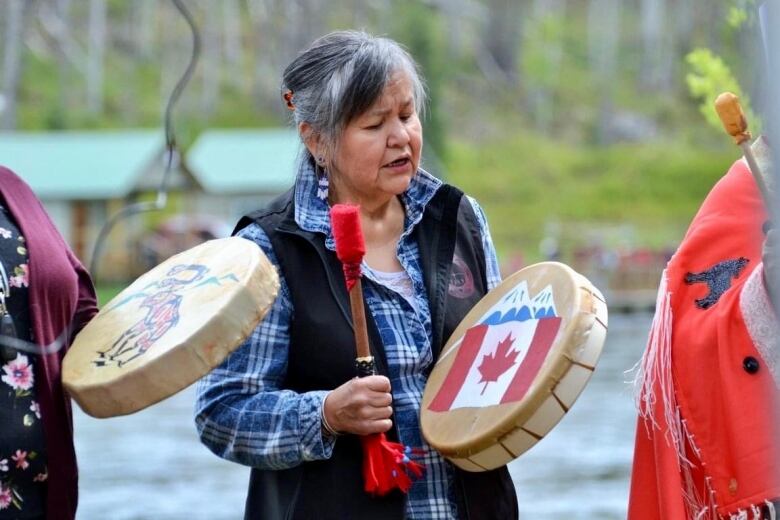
[[750, 365]]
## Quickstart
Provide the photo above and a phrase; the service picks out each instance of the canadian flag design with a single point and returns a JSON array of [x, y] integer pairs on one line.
[[500, 355]]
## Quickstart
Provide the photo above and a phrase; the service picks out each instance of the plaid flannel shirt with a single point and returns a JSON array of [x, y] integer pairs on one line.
[[244, 415]]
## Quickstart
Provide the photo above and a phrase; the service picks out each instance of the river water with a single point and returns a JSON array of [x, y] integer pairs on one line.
[[151, 466]]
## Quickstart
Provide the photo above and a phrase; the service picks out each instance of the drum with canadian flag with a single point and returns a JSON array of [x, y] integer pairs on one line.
[[514, 366]]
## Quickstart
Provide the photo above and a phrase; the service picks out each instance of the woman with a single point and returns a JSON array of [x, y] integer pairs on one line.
[[286, 403], [46, 297]]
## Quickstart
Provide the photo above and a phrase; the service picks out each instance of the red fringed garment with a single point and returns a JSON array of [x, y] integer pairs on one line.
[[706, 440]]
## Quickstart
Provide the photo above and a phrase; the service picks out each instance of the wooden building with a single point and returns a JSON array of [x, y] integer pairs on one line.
[[84, 178]]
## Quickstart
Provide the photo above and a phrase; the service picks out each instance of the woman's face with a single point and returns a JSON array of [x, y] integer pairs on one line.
[[379, 151]]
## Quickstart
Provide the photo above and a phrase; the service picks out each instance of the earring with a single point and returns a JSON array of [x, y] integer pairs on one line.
[[322, 179], [322, 187]]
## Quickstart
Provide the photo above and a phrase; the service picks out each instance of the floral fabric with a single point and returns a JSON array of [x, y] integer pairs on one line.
[[22, 448]]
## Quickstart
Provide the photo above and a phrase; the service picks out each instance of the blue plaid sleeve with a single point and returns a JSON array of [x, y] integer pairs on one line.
[[491, 260], [242, 413]]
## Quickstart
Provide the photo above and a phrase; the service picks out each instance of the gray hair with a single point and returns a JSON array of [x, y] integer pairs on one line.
[[340, 76]]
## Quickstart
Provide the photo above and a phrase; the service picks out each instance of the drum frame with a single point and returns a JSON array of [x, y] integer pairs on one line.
[[480, 439], [214, 329]]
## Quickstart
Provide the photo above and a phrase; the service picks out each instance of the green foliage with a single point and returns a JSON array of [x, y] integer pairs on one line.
[[743, 13], [524, 180], [539, 70], [736, 17], [709, 77], [106, 292]]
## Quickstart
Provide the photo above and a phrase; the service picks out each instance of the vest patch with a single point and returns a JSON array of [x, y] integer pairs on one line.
[[461, 280], [718, 279]]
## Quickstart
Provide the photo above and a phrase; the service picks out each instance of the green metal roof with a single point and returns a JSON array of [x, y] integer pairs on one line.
[[235, 161], [81, 165]]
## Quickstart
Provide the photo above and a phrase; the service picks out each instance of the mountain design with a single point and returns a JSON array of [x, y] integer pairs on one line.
[[518, 305], [543, 304]]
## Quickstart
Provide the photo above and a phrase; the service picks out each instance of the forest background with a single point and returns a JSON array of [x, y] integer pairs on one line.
[[580, 120], [579, 125]]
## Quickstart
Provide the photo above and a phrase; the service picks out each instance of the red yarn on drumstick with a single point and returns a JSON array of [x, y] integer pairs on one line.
[[386, 464]]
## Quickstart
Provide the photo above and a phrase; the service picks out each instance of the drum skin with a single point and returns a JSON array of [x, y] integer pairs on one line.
[[170, 327], [514, 366]]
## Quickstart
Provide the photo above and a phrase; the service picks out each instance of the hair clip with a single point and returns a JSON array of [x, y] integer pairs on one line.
[[288, 96]]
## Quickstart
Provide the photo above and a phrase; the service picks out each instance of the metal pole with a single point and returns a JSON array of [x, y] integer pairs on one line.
[[771, 32], [770, 21]]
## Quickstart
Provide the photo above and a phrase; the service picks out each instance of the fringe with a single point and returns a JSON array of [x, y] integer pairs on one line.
[[654, 376], [771, 508], [654, 381], [756, 512], [655, 365]]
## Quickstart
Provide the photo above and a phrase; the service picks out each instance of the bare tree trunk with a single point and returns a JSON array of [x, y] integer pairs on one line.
[[545, 17], [650, 18], [307, 18], [714, 16], [65, 99], [502, 36], [12, 61], [266, 62], [212, 67], [234, 50], [603, 39], [129, 95], [459, 15], [359, 11], [57, 25], [455, 28], [657, 45], [95, 55], [145, 18], [684, 23]]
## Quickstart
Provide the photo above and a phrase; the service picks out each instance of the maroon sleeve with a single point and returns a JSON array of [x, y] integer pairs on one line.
[[86, 306]]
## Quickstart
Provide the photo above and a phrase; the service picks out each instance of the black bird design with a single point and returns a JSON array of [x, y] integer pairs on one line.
[[718, 279]]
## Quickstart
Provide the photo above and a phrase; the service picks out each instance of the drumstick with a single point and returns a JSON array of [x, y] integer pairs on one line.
[[736, 125], [386, 464], [350, 249]]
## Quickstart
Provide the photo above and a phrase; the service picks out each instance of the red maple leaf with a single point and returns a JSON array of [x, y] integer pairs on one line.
[[495, 364]]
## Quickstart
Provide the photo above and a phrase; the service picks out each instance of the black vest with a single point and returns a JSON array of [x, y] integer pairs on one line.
[[322, 357]]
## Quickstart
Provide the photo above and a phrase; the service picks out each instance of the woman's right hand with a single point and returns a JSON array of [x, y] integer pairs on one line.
[[361, 406]]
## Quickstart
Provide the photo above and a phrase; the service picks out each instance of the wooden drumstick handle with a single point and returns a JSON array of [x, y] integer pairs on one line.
[[359, 320], [735, 123], [350, 249]]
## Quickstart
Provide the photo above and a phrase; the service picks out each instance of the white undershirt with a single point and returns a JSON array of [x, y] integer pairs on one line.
[[397, 281]]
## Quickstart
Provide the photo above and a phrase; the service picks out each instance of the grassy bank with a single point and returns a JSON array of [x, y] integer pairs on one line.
[[530, 187], [106, 291]]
